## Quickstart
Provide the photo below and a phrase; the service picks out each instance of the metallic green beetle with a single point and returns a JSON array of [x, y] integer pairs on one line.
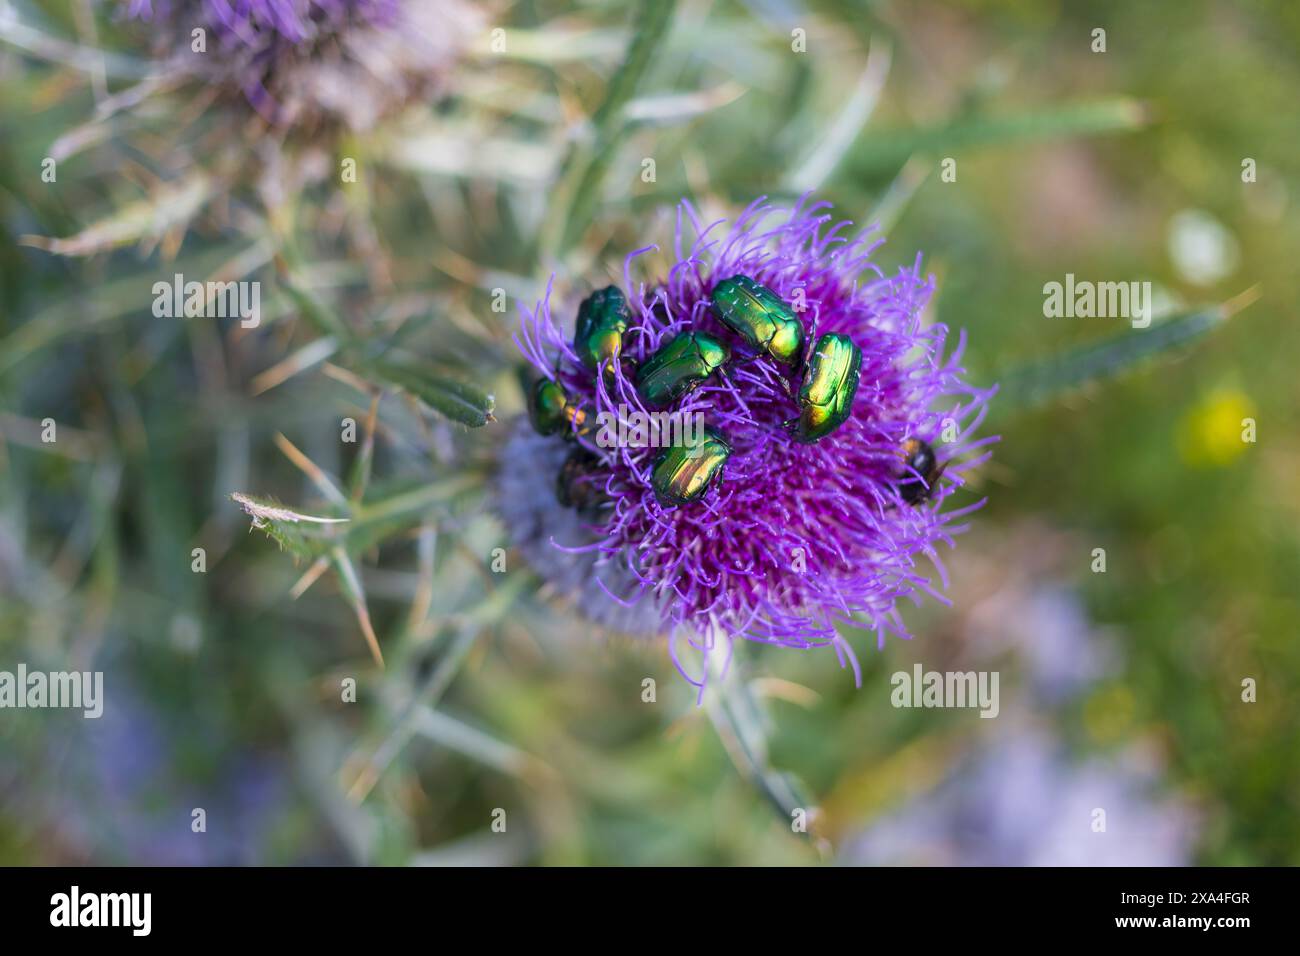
[[683, 473], [550, 410], [679, 366], [602, 320], [760, 316], [829, 384]]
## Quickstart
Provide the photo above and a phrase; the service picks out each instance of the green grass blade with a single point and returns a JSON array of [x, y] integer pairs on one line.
[[322, 318], [584, 168], [648, 31], [836, 139]]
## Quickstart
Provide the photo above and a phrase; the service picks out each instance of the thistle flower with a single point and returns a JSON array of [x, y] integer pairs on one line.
[[798, 531], [313, 63]]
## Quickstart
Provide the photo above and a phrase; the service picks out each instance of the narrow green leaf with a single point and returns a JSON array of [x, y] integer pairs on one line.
[[359, 477], [891, 205], [427, 695], [83, 313], [460, 401], [671, 108], [354, 593], [885, 149], [29, 37], [469, 740], [1039, 382], [322, 318], [171, 206], [743, 726], [555, 43], [648, 31]]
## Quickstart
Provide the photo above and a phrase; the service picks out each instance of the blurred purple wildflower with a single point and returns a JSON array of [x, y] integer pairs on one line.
[[725, 566], [1020, 800], [301, 62], [114, 790]]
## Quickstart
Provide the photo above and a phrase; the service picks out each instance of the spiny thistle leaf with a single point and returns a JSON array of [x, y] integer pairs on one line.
[[399, 507], [288, 528]]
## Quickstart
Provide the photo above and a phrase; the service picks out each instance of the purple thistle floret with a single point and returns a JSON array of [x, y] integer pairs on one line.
[[727, 565]]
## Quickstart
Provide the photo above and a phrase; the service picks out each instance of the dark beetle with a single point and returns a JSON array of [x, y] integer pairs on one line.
[[579, 484], [919, 459]]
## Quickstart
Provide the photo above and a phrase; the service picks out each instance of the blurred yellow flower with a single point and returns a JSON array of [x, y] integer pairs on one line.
[[1216, 430]]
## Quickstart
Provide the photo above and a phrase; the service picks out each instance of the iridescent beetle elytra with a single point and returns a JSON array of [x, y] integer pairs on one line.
[[829, 384], [679, 366], [683, 473], [602, 320], [760, 317]]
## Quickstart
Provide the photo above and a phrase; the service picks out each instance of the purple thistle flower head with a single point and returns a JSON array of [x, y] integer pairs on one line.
[[291, 20], [793, 539], [301, 62]]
